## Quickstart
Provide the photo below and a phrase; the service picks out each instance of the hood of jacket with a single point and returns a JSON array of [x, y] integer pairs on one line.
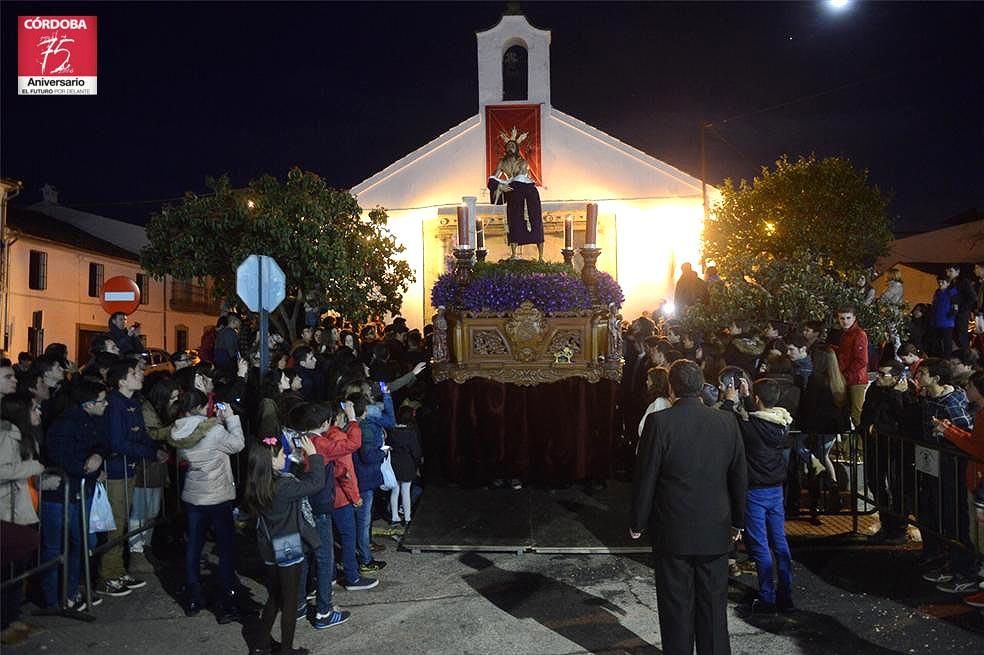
[[777, 415], [189, 430]]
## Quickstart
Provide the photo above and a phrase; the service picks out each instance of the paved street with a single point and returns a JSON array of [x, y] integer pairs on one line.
[[851, 601]]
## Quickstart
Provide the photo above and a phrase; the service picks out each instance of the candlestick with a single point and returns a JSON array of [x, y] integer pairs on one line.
[[569, 232], [463, 235], [479, 233], [591, 231]]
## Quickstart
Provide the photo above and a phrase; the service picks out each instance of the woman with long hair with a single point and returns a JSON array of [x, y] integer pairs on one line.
[[824, 414], [209, 493], [284, 530], [18, 507], [657, 392]]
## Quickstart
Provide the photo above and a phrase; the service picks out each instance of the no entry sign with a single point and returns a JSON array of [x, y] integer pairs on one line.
[[119, 294]]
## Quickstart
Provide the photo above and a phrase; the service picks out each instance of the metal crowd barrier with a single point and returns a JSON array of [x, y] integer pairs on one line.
[[60, 561], [920, 476]]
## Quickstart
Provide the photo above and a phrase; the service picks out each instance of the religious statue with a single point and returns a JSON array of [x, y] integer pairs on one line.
[[511, 184], [614, 333], [439, 350]]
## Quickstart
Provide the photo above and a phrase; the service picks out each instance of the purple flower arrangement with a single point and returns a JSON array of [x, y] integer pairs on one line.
[[498, 291]]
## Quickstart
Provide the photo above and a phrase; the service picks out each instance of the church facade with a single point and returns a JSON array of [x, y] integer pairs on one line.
[[650, 214]]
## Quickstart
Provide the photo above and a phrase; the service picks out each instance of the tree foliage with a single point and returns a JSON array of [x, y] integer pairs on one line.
[[820, 209], [333, 256], [793, 245]]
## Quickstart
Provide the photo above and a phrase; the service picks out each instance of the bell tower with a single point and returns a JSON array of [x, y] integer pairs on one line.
[[513, 62]]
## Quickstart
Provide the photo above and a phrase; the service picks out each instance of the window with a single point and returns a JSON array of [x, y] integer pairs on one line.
[[180, 338], [38, 270], [143, 283], [96, 274], [515, 73]]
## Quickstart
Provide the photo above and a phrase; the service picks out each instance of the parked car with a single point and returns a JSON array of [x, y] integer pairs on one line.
[[157, 360]]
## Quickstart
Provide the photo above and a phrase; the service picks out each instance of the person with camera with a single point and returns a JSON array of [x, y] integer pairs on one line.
[[765, 432], [277, 492], [209, 493]]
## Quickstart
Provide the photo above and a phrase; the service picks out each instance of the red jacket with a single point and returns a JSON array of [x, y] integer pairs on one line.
[[971, 443], [852, 355], [337, 446]]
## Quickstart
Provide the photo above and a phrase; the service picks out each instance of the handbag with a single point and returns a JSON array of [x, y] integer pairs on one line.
[[389, 476], [101, 513], [287, 549]]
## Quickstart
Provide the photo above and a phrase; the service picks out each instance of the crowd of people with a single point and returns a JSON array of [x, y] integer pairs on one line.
[[329, 437], [303, 449], [799, 390]]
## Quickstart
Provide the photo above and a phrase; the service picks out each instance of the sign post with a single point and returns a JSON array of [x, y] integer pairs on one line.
[[262, 285]]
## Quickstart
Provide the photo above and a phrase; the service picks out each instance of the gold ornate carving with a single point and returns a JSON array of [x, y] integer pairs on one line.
[[488, 342], [521, 347], [569, 339], [525, 331]]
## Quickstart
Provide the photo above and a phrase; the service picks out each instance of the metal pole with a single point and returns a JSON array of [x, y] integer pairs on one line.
[[65, 558], [264, 318], [84, 516], [854, 482]]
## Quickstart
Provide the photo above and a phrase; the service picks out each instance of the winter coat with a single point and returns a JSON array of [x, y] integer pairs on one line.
[[71, 439], [890, 411], [312, 384], [379, 418], [127, 435], [206, 445], [765, 434], [852, 355], [818, 413], [972, 443], [151, 473], [128, 345], [944, 315], [406, 453], [284, 516], [16, 505], [336, 447]]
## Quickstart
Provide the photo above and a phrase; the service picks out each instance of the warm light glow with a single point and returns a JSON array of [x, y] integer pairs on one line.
[[838, 5], [669, 309], [770, 228], [250, 204], [653, 241]]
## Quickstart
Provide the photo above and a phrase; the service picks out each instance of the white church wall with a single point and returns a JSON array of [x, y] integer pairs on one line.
[[493, 43], [440, 173]]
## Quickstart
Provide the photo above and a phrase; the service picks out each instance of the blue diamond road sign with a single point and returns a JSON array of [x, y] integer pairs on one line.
[[254, 270]]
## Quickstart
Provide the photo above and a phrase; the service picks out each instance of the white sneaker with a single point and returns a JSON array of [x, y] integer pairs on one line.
[[78, 603]]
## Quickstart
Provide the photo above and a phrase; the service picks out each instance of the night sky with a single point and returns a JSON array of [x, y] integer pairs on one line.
[[188, 90]]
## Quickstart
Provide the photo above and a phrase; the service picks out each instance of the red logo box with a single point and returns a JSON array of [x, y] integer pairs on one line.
[[57, 55]]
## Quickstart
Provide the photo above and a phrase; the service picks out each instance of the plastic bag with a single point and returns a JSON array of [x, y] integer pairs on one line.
[[101, 514], [389, 477]]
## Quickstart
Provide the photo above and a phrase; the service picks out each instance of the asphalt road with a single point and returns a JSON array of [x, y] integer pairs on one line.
[[850, 601]]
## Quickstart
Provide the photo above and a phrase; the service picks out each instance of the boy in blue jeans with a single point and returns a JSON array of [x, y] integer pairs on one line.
[[765, 432]]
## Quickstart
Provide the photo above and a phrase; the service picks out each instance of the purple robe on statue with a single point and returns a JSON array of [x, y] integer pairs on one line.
[[522, 194]]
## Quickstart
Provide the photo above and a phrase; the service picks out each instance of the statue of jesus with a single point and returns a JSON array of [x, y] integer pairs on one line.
[[511, 184]]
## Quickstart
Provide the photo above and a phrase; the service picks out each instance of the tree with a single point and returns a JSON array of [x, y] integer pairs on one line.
[[793, 245], [333, 256], [820, 209]]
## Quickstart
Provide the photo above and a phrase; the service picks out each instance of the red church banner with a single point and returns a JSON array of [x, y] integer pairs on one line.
[[503, 119]]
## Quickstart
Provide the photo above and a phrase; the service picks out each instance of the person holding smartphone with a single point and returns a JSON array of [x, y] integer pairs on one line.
[[209, 493]]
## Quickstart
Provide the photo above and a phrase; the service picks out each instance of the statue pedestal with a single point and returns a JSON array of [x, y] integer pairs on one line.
[[527, 347]]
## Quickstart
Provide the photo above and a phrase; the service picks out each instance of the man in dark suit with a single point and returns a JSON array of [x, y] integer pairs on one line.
[[689, 490]]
